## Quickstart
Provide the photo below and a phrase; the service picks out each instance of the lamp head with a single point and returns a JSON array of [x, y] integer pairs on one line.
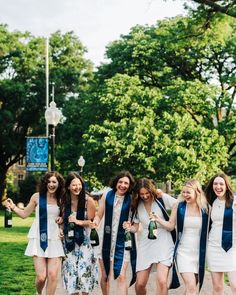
[[52, 114], [81, 161]]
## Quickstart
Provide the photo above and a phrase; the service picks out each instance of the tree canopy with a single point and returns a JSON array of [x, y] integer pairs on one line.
[[22, 86], [223, 6], [166, 101]]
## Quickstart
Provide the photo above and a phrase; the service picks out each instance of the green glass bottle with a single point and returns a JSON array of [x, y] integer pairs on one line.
[[71, 228], [152, 229], [8, 217], [128, 240], [94, 238]]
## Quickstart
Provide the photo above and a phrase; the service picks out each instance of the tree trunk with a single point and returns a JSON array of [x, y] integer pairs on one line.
[[3, 176]]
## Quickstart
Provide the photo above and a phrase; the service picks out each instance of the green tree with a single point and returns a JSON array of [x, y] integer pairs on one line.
[[186, 123], [22, 86], [27, 188], [222, 6], [139, 135]]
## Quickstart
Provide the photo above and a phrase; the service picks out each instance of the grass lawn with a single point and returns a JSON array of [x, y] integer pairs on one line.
[[16, 270]]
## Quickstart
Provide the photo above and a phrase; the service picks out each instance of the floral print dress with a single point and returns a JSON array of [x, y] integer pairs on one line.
[[80, 268]]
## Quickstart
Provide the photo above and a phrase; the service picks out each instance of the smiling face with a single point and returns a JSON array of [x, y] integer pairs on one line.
[[122, 186], [219, 187], [52, 184], [75, 187], [145, 194], [189, 194]]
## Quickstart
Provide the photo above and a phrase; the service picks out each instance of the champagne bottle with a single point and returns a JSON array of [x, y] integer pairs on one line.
[[94, 238], [128, 240], [8, 217], [71, 228], [152, 229]]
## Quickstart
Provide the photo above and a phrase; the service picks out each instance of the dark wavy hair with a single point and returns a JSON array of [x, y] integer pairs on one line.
[[82, 194], [210, 194], [121, 174], [60, 192], [146, 183]]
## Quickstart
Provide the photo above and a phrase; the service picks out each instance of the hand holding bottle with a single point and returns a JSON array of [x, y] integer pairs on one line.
[[153, 216], [126, 225], [72, 218], [9, 204]]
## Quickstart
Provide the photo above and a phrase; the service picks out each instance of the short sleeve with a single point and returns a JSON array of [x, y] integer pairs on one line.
[[136, 218], [169, 201]]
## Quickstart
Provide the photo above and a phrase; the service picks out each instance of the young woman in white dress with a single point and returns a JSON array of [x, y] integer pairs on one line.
[[221, 250], [156, 253], [190, 215], [114, 206], [45, 245]]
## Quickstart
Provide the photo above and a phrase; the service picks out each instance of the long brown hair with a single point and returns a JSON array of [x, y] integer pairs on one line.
[[210, 194], [82, 194], [146, 183], [60, 192]]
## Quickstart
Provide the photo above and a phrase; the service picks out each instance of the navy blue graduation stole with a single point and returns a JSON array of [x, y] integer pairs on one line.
[[202, 247], [78, 230], [43, 221], [133, 253], [162, 206], [181, 210], [120, 245], [227, 229]]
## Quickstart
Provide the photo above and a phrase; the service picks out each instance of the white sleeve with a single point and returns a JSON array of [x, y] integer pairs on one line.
[[169, 201], [136, 218]]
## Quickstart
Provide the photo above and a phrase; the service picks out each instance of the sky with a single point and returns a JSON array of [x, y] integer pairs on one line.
[[95, 22]]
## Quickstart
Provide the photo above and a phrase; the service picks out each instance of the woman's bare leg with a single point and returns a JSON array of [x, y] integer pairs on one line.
[[40, 266], [121, 284], [161, 279], [217, 283], [53, 267], [141, 281], [104, 282]]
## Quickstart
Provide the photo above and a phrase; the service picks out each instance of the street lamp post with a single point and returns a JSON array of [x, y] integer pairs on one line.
[[53, 116], [81, 163]]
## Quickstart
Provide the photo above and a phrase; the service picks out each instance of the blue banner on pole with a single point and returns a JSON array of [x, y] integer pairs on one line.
[[37, 154]]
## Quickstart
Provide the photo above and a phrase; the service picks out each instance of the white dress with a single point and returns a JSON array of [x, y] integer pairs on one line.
[[55, 247], [188, 250], [150, 252], [217, 259]]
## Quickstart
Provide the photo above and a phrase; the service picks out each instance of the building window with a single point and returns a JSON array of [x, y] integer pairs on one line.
[[21, 162]]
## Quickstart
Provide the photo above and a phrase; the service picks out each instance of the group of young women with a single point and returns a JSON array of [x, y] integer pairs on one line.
[[201, 225]]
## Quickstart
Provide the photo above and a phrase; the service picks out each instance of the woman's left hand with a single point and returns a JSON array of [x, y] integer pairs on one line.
[[59, 220]]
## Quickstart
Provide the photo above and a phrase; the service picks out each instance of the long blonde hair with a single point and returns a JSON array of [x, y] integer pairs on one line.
[[200, 196]]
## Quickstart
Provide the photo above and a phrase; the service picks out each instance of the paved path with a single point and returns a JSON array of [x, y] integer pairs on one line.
[[206, 288]]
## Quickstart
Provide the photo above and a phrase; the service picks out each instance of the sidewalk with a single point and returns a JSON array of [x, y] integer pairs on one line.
[[206, 288]]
